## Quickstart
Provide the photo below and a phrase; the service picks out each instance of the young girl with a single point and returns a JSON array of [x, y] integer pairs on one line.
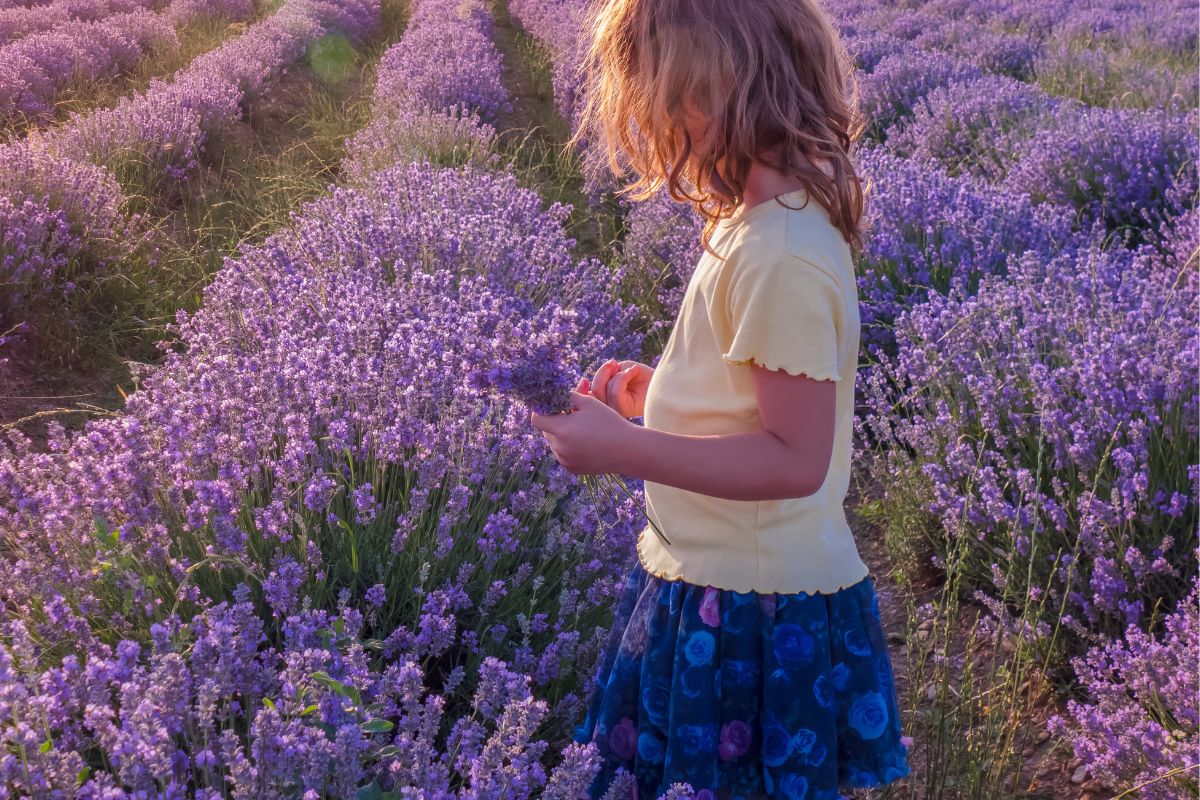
[[747, 656]]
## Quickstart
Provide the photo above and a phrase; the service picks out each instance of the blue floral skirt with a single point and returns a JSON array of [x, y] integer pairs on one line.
[[784, 695]]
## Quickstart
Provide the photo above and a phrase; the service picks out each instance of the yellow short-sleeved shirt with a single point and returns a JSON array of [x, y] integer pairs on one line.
[[784, 297]]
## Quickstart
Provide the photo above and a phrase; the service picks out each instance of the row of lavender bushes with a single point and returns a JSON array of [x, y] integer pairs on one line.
[[17, 22], [69, 195], [1031, 259], [310, 558], [1049, 450], [35, 68]]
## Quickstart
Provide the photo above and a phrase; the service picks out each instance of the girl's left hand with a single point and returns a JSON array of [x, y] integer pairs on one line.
[[590, 439]]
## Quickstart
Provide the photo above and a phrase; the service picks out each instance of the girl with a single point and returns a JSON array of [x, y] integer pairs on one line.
[[747, 657]]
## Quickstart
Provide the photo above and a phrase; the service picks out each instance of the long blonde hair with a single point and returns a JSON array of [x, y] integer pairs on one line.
[[771, 77]]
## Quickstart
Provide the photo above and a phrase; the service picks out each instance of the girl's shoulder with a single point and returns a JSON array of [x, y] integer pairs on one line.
[[787, 235]]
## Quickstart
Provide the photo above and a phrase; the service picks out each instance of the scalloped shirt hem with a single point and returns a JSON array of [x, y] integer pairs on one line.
[[816, 375], [832, 584]]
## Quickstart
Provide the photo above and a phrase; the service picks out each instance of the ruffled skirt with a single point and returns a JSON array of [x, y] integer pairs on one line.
[[740, 693]]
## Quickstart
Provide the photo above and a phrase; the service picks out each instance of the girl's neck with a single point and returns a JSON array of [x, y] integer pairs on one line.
[[764, 182]]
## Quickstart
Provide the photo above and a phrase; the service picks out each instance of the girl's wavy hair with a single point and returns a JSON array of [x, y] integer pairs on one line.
[[771, 76]]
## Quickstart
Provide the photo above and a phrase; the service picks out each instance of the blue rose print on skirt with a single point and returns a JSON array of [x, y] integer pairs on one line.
[[788, 695]]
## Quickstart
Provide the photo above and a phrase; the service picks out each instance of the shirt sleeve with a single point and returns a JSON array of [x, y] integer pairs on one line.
[[784, 313]]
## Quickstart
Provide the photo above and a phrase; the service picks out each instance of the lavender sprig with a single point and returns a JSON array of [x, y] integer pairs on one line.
[[539, 379]]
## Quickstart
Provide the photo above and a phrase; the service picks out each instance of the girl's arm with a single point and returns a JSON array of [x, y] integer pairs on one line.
[[789, 457]]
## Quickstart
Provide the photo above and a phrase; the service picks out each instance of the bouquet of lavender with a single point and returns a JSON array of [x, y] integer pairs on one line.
[[540, 379]]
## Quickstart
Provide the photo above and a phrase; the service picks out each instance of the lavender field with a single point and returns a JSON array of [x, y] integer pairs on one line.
[[262, 535]]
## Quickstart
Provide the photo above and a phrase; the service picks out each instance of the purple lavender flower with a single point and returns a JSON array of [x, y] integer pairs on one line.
[[1090, 414], [1117, 166], [1140, 724], [538, 378]]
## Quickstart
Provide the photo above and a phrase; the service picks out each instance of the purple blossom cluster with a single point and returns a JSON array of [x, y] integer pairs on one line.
[[1119, 166], [208, 709], [33, 248], [1103, 76], [1025, 31], [61, 217], [974, 125], [1142, 725], [1042, 419], [975, 88], [35, 68], [38, 66], [929, 232], [499, 258], [447, 58], [531, 371], [889, 91]]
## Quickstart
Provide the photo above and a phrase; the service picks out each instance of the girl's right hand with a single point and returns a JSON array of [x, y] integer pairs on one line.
[[621, 385]]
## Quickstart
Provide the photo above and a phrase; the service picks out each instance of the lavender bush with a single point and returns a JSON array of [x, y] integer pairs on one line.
[[205, 710], [1140, 726], [21, 21], [1112, 165], [437, 93], [1049, 451], [973, 126], [368, 486], [36, 245], [899, 80], [1007, 54], [62, 219], [1104, 78], [869, 48], [929, 232], [439, 65]]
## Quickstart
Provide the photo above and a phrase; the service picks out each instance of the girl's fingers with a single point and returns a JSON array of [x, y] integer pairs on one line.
[[618, 390], [600, 382], [614, 388]]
